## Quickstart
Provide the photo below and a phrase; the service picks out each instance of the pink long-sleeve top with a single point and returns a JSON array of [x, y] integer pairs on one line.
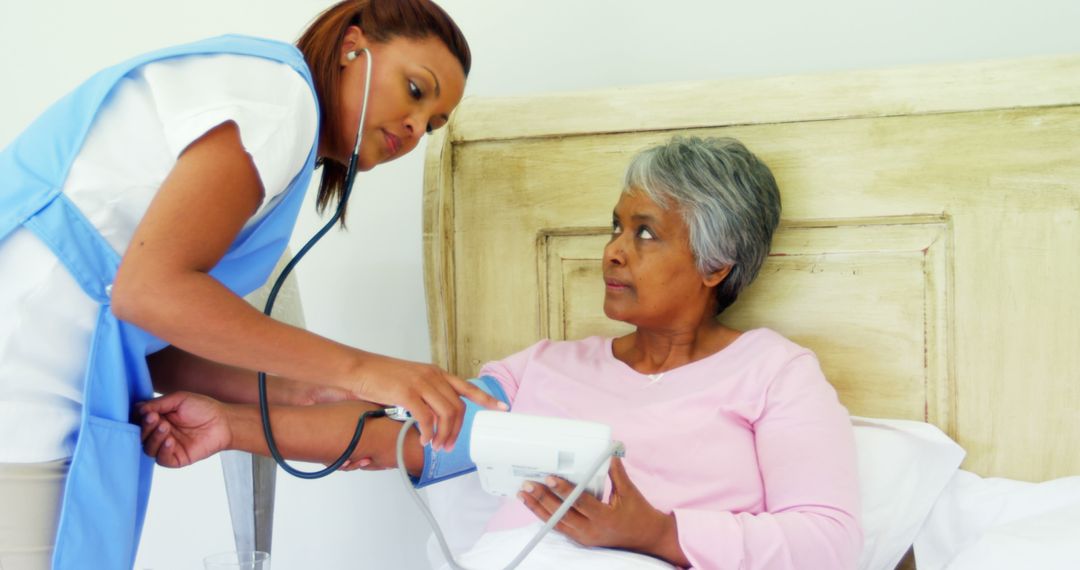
[[749, 447]]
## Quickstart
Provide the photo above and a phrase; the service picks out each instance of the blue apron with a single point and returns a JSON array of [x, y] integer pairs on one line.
[[109, 483]]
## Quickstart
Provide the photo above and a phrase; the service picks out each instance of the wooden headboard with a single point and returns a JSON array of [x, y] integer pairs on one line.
[[929, 250]]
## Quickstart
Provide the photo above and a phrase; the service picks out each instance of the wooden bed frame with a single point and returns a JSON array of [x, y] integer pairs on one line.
[[929, 250]]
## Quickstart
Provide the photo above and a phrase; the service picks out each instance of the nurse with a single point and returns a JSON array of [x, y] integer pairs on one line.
[[136, 212]]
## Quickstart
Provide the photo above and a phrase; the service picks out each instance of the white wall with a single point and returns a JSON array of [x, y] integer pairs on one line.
[[364, 287]]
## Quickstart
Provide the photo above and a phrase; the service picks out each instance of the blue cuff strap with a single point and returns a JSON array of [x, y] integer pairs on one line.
[[443, 465]]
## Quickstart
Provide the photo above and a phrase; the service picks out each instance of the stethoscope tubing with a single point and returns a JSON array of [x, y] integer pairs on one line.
[[264, 406]]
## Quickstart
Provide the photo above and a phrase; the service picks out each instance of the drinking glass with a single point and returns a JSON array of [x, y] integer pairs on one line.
[[242, 560]]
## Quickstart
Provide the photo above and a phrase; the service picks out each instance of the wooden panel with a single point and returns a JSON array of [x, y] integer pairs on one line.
[[927, 257], [1033, 82], [438, 250], [871, 298]]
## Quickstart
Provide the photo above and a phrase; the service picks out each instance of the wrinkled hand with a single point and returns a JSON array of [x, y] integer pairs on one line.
[[626, 521], [182, 428], [429, 393]]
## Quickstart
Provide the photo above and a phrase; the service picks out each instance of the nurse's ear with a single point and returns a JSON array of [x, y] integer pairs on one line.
[[353, 41]]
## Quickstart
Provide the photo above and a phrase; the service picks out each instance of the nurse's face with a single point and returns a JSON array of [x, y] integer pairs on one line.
[[415, 83]]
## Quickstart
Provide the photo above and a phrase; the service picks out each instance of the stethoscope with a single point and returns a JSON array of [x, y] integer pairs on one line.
[[264, 407]]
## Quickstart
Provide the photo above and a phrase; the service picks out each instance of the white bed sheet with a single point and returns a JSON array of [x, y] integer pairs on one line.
[[996, 523]]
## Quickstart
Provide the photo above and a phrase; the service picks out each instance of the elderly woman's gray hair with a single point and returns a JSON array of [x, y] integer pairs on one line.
[[727, 197]]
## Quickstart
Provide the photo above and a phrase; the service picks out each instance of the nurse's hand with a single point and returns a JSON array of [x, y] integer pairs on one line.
[[429, 393], [182, 428], [626, 521]]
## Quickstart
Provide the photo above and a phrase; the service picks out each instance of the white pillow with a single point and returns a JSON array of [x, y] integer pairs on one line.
[[903, 468], [994, 522]]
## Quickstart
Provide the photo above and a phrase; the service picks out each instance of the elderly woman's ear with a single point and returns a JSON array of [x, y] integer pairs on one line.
[[717, 277]]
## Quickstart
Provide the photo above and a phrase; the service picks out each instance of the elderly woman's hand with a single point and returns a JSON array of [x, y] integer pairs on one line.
[[626, 521], [181, 428]]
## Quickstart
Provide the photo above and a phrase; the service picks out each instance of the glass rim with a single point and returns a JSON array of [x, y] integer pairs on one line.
[[237, 557]]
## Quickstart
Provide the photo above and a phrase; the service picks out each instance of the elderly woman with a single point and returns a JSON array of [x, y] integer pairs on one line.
[[739, 454]]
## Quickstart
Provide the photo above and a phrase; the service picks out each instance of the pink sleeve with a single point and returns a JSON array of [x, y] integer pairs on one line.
[[806, 454], [510, 370]]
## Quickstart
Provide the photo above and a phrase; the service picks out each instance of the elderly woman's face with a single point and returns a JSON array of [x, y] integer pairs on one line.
[[650, 276]]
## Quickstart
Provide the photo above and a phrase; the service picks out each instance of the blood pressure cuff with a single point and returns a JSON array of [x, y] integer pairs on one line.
[[442, 465]]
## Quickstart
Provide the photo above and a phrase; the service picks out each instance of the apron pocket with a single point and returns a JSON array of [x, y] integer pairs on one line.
[[98, 527]]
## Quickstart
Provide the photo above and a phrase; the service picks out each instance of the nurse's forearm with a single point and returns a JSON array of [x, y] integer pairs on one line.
[[173, 370], [321, 433]]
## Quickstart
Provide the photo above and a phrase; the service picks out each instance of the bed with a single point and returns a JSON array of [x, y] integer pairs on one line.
[[929, 251]]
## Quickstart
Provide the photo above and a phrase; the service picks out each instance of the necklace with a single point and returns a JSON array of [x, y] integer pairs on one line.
[[654, 378]]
